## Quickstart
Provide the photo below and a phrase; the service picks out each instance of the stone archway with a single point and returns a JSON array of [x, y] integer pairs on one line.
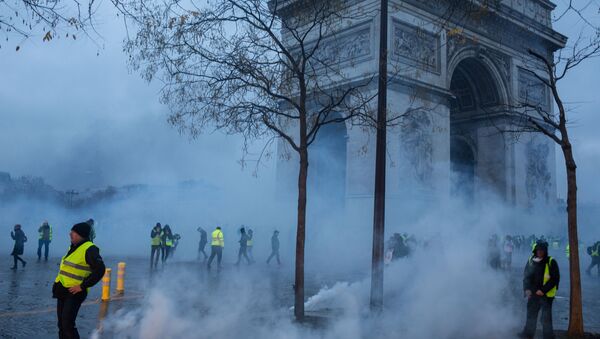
[[477, 146]]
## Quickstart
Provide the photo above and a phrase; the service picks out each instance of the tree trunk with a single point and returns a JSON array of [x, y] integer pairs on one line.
[[301, 225], [576, 308]]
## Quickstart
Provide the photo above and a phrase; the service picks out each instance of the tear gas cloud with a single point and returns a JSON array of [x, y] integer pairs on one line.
[[443, 290]]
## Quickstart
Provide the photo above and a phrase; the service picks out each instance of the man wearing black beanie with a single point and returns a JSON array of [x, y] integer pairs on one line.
[[81, 268]]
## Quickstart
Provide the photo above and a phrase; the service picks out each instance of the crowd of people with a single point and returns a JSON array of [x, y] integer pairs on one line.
[[82, 267], [245, 251]]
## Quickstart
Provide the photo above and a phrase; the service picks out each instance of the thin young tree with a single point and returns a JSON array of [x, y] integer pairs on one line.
[[538, 118], [256, 68]]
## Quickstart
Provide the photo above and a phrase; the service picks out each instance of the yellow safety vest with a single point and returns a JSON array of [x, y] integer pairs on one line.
[[156, 240], [73, 267], [217, 239], [249, 242], [49, 233], [169, 242], [547, 277], [595, 251]]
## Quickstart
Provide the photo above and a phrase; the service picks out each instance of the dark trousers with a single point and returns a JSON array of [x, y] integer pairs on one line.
[[15, 258], [595, 262], [534, 304], [201, 248], [46, 244], [66, 311], [215, 251], [274, 253], [166, 252], [155, 251], [243, 252]]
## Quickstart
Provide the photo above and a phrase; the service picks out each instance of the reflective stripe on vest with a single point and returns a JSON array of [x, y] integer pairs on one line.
[[217, 239], [73, 268], [596, 251]]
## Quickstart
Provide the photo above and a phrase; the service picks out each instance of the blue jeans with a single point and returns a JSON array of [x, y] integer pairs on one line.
[[41, 243]]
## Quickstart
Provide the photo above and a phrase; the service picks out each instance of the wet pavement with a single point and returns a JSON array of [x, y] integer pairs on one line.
[[28, 311]]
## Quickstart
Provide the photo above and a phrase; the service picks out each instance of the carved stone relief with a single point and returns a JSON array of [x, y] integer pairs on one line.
[[538, 179], [417, 147], [416, 47]]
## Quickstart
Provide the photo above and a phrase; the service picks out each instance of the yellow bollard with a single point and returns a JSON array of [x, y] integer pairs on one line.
[[121, 278], [106, 285]]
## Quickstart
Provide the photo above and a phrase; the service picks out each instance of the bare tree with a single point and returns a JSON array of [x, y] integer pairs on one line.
[[537, 117], [254, 68], [23, 19]]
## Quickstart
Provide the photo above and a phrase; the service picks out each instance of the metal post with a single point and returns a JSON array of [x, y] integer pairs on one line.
[[380, 165], [106, 285], [121, 278]]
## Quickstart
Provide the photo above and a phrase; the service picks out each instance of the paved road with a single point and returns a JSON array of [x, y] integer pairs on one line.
[[27, 309]]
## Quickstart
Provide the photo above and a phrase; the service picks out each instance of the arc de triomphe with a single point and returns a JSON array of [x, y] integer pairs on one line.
[[463, 72]]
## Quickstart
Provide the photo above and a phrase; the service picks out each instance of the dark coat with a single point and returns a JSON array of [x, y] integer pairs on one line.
[[533, 276], [20, 239]]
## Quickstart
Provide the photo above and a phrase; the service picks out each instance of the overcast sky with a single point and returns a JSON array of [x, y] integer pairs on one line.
[[83, 120]]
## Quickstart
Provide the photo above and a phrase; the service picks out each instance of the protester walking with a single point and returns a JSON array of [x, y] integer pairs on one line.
[[274, 247], [19, 237]]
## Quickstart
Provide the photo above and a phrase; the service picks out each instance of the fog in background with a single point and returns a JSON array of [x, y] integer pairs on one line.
[[81, 120]]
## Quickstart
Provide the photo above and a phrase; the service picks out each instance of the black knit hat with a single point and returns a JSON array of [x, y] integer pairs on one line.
[[540, 245], [83, 229]]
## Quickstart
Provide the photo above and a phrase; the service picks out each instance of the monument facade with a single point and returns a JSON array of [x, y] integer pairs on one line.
[[453, 80]]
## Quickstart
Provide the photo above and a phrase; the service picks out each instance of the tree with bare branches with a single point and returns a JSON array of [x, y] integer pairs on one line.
[[538, 117], [256, 68], [24, 19]]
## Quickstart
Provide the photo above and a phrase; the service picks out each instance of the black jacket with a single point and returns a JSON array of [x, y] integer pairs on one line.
[[92, 258], [20, 239], [533, 276]]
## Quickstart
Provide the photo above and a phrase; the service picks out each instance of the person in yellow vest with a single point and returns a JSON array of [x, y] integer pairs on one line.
[[81, 268], [155, 243], [167, 242], [540, 283], [594, 252], [217, 243], [45, 237]]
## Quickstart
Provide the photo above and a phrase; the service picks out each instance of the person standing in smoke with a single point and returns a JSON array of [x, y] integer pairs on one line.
[[176, 238], [494, 257], [540, 283], [508, 247], [250, 244], [594, 252], [19, 237], [202, 244], [167, 242], [243, 247], [274, 247], [45, 237], [155, 244], [217, 244], [81, 268], [91, 222]]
